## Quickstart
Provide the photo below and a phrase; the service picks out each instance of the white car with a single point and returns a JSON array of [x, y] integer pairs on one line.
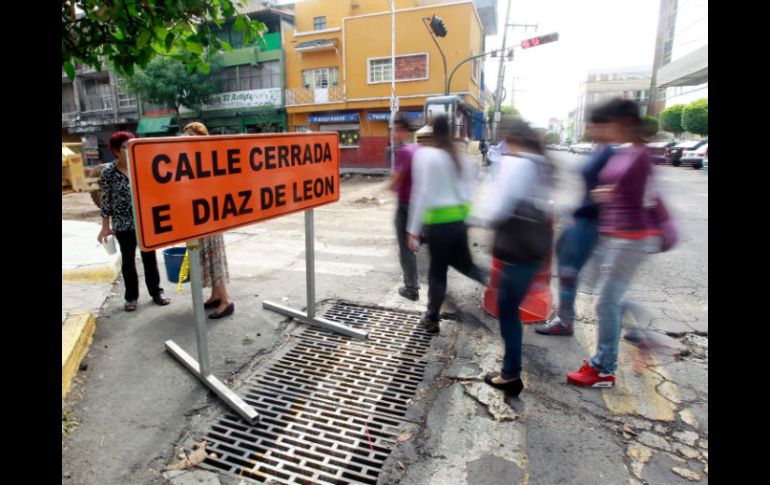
[[696, 157], [581, 148]]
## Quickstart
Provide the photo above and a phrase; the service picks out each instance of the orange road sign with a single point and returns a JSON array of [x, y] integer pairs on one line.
[[185, 188]]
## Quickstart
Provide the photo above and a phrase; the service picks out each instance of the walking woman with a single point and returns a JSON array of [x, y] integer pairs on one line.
[[118, 219], [626, 235], [213, 257], [442, 187], [519, 211]]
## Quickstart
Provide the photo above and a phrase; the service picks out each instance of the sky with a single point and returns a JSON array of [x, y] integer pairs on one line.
[[593, 34]]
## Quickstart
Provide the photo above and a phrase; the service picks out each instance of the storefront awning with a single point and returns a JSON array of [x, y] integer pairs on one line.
[[333, 118], [158, 124], [385, 116]]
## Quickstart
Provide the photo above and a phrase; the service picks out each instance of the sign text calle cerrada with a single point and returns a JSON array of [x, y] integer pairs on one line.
[[189, 187]]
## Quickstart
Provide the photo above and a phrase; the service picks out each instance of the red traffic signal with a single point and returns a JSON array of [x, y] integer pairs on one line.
[[536, 41]]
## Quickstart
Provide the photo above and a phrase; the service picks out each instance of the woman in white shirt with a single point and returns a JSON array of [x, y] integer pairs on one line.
[[442, 187], [519, 211]]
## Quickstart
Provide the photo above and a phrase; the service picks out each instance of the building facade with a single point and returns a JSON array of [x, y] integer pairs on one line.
[[680, 71], [605, 84], [338, 68], [94, 107], [251, 84]]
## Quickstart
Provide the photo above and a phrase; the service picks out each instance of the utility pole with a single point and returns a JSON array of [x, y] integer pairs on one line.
[[500, 77], [393, 106]]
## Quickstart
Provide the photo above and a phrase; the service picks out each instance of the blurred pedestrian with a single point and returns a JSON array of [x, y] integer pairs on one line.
[[213, 257], [442, 187], [577, 242], [401, 183], [118, 219], [519, 211], [626, 235]]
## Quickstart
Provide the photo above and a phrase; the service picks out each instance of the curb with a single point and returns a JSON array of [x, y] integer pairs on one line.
[[76, 337], [102, 273]]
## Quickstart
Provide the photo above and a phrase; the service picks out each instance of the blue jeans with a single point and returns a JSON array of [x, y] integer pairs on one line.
[[573, 250], [514, 283], [619, 260]]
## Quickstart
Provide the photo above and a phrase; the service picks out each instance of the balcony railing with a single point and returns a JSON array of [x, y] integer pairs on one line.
[[68, 107], [332, 94], [98, 103]]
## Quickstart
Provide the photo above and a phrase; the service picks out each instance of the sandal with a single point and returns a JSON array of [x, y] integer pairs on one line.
[[160, 299], [130, 305]]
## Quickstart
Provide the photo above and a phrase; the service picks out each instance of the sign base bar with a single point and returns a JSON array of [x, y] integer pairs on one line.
[[320, 322], [236, 403]]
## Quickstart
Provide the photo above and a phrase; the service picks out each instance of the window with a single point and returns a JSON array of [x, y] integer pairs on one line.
[[408, 67], [379, 70], [320, 78], [319, 23], [266, 75]]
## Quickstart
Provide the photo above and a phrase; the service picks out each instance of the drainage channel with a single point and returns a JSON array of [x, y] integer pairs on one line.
[[330, 407]]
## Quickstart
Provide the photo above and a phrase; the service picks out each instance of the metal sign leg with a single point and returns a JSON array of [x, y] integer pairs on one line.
[[309, 316], [201, 367]]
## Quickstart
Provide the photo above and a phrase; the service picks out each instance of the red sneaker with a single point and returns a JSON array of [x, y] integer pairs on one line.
[[587, 376]]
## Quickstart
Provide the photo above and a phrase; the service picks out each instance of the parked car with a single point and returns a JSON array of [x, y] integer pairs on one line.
[[674, 154], [658, 150], [581, 148], [695, 157]]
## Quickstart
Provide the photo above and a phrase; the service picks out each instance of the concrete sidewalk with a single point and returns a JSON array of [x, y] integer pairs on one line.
[[88, 273]]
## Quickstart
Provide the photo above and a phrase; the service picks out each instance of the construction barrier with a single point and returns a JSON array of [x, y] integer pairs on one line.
[[536, 305]]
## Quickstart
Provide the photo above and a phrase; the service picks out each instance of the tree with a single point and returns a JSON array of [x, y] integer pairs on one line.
[[649, 126], [168, 82], [130, 33], [552, 138], [695, 117], [504, 111], [671, 119]]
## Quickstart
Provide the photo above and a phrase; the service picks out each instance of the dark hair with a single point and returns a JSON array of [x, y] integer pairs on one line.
[[117, 139], [622, 109], [441, 138], [402, 121], [516, 131], [598, 115]]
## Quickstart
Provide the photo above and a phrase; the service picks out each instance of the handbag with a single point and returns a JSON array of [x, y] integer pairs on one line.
[[661, 220], [525, 237]]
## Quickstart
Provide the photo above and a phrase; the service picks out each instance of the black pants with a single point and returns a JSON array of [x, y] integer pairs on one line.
[[406, 257], [128, 244], [448, 246]]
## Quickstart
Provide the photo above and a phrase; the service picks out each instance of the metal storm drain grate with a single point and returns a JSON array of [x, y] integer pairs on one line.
[[330, 407]]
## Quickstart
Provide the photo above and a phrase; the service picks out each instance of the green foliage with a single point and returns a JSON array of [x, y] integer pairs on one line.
[[130, 33], [649, 126], [671, 119], [552, 138], [168, 82], [695, 117], [504, 110]]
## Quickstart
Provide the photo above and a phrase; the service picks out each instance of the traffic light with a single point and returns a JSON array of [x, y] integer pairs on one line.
[[437, 26], [536, 41]]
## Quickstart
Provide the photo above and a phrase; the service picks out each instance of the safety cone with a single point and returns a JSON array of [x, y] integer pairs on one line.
[[536, 305]]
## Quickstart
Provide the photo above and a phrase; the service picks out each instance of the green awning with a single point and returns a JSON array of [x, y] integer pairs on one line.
[[158, 124]]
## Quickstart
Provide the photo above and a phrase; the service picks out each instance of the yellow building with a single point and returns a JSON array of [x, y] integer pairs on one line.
[[338, 67]]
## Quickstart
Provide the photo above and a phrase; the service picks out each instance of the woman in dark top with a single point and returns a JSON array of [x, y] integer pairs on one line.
[[116, 209]]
